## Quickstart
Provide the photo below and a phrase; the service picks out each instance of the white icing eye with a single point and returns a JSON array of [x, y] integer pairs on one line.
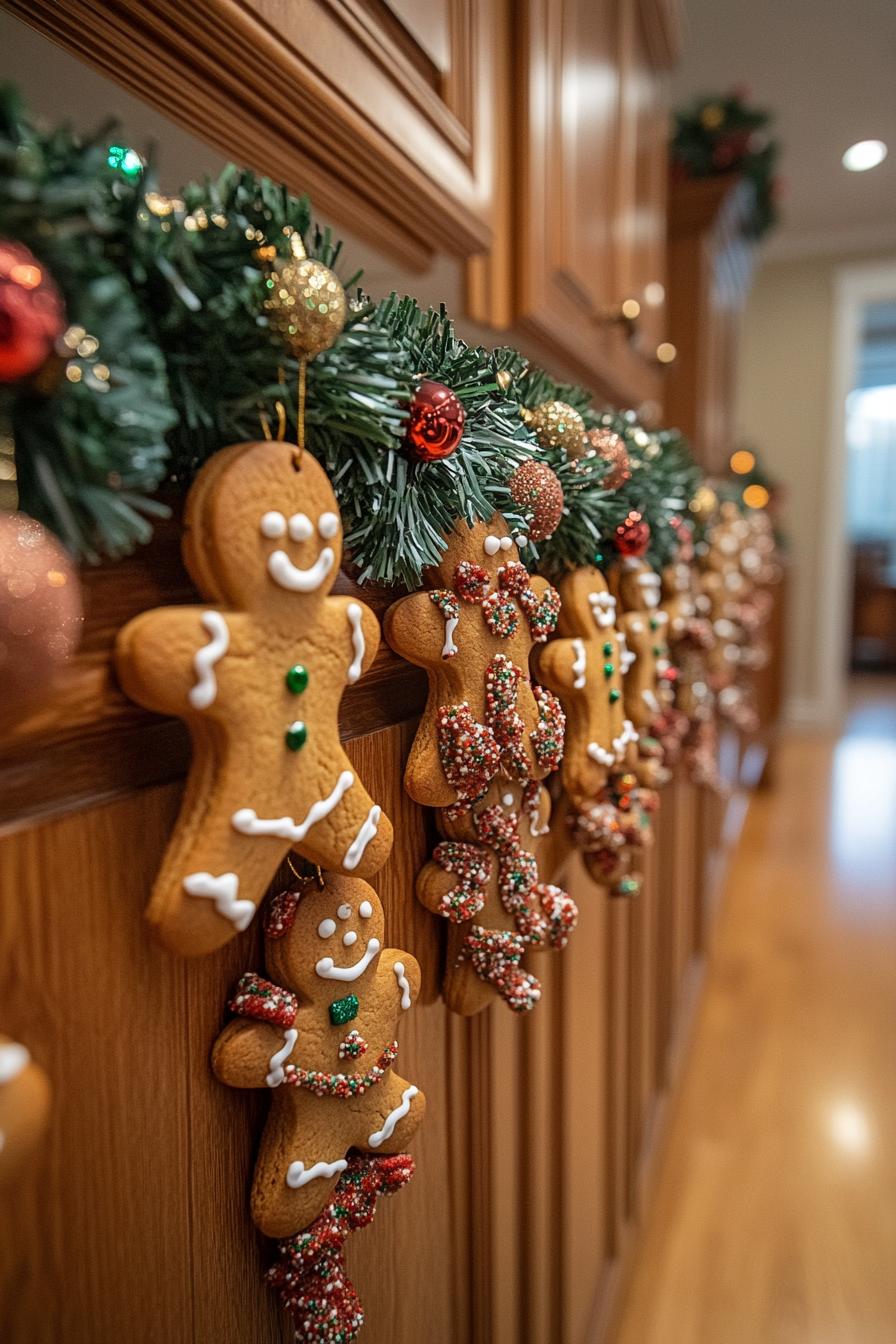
[[491, 545], [328, 525], [349, 938], [365, 909], [300, 527], [273, 524], [326, 928], [345, 912], [506, 543]]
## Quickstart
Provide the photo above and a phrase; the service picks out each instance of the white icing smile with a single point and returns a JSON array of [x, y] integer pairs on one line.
[[327, 969], [295, 580], [603, 609]]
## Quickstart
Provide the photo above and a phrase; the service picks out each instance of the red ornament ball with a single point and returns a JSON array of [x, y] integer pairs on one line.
[[40, 612], [539, 495], [611, 449], [435, 422], [32, 316], [632, 537]]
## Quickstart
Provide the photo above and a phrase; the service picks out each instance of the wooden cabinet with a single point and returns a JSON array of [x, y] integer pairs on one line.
[[529, 137], [583, 149], [533, 1162], [381, 111]]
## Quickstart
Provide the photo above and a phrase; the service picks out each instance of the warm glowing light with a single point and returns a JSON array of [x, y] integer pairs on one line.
[[631, 309], [654, 294], [26, 275], [666, 352], [864, 155], [849, 1128], [742, 461], [756, 496]]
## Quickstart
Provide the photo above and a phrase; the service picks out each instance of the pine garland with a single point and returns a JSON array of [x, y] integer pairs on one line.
[[173, 289]]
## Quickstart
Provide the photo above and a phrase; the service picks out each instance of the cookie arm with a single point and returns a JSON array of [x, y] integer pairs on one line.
[[407, 978], [362, 635], [416, 630], [169, 659], [555, 664], [244, 1053]]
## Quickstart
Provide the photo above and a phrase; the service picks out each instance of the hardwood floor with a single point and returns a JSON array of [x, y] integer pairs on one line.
[[775, 1214]]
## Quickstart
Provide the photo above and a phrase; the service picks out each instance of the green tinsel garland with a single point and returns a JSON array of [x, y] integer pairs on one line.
[[181, 275]]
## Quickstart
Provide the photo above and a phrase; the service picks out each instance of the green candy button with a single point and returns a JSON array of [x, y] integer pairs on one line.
[[608, 669], [296, 735], [297, 678], [608, 649], [614, 696], [344, 1010]]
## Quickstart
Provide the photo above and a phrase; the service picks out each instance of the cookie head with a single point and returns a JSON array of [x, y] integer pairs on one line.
[[636, 585], [274, 535], [488, 545], [335, 938]]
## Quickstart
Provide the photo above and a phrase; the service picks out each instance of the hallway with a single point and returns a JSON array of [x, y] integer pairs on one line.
[[775, 1215]]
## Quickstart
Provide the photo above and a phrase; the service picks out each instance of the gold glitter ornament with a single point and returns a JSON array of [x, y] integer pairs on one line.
[[538, 494], [305, 303], [704, 503], [556, 425], [610, 448]]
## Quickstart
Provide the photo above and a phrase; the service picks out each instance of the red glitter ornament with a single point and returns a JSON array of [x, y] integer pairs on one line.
[[435, 422], [32, 316], [632, 537], [538, 494], [611, 449]]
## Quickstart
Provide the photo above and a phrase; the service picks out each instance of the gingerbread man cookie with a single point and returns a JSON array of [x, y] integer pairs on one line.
[[484, 880], [24, 1108], [257, 675], [473, 632], [585, 668], [321, 1039]]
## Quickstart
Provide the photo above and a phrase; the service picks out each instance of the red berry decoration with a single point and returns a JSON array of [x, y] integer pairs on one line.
[[539, 495], [611, 449], [32, 316], [435, 422], [633, 536]]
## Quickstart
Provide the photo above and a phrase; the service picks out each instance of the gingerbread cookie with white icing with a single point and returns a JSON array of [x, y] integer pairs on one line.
[[257, 675], [320, 1036], [473, 632], [24, 1109], [483, 878], [584, 667]]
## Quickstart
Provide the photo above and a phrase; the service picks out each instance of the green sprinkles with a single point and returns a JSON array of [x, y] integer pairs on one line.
[[344, 1010]]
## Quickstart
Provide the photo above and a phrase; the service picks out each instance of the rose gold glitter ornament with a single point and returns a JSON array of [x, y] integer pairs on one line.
[[556, 425], [611, 449], [539, 495], [40, 612]]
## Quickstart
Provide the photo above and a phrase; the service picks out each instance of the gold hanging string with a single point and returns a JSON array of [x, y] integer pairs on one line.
[[266, 421], [317, 876], [300, 416]]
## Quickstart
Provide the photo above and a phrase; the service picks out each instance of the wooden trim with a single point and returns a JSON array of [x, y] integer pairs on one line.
[[264, 97], [91, 744]]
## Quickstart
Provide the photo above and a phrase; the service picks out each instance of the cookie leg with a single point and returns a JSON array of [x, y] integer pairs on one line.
[[395, 1111], [303, 1153], [210, 883]]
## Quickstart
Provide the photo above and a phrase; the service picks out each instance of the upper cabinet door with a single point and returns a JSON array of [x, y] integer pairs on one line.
[[584, 148], [381, 111]]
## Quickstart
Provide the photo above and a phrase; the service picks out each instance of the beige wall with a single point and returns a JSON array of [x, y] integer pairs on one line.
[[783, 408]]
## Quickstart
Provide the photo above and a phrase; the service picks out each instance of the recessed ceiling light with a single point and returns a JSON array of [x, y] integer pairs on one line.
[[864, 155]]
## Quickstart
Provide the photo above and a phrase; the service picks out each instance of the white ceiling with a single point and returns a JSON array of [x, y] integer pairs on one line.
[[827, 69]]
